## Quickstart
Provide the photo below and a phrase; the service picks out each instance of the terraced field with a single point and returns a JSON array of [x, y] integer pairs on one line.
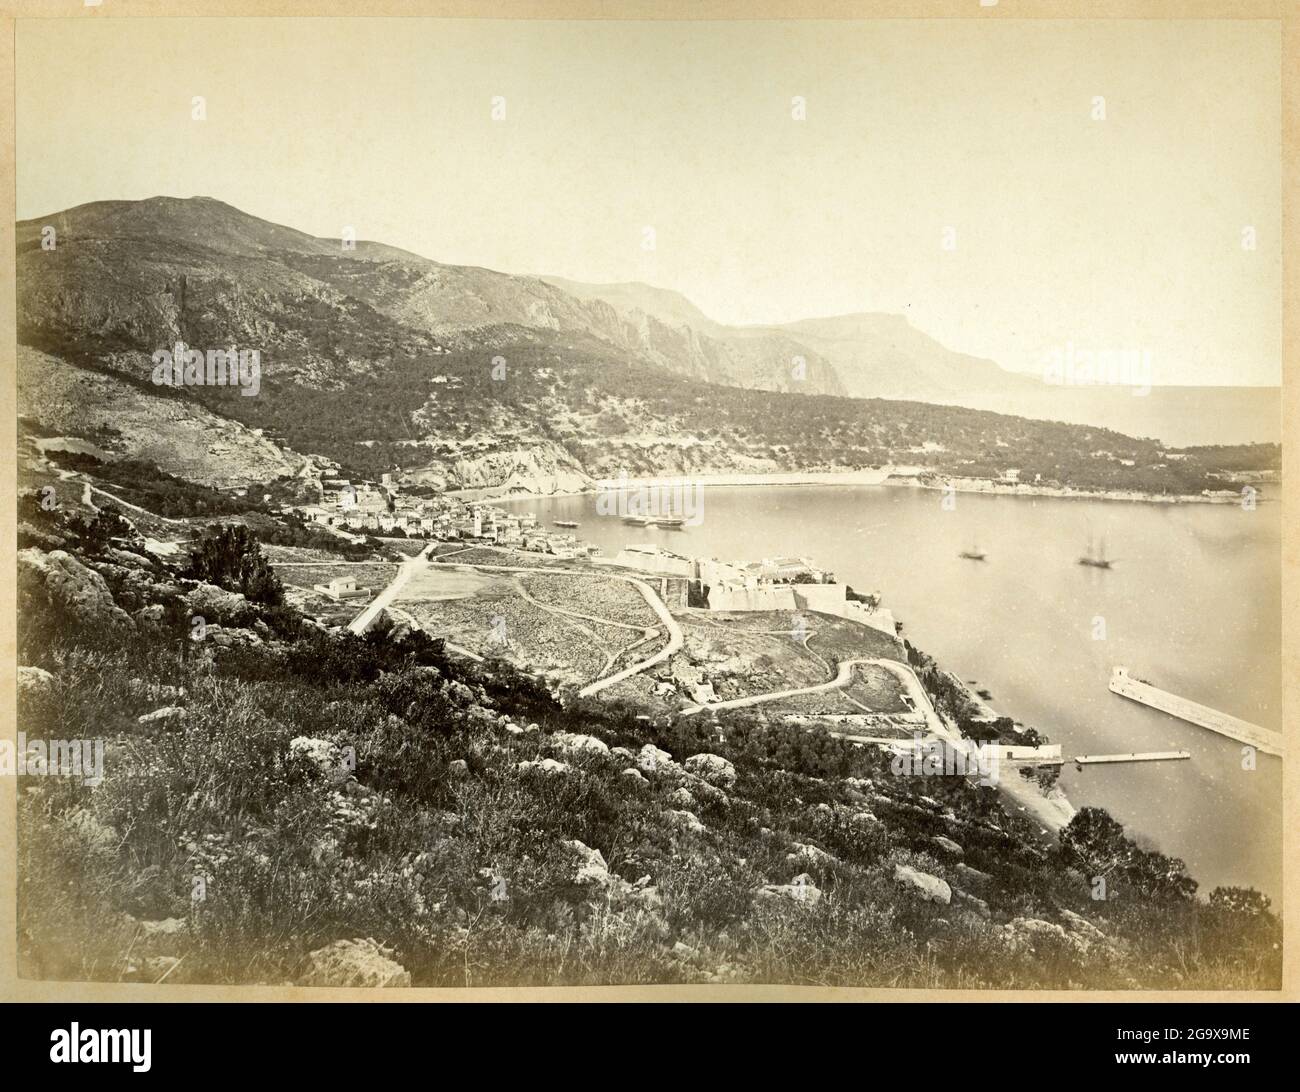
[[373, 575], [614, 600], [407, 547], [507, 625]]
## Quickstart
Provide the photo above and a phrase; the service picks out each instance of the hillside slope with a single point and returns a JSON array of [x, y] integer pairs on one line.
[[284, 804], [143, 275], [386, 362]]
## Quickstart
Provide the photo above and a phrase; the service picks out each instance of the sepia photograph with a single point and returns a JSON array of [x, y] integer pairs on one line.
[[532, 500]]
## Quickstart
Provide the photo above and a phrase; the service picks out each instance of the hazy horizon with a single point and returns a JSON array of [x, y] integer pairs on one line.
[[1112, 234]]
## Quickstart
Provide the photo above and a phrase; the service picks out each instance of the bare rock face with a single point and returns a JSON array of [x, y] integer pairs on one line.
[[714, 769], [354, 963], [810, 855], [927, 887], [65, 582], [548, 766], [220, 606], [34, 682], [973, 875], [801, 890], [653, 759], [130, 559], [705, 793], [597, 883], [682, 798], [166, 713], [574, 743], [1033, 934], [592, 869], [321, 753], [1077, 923], [685, 820], [971, 902]]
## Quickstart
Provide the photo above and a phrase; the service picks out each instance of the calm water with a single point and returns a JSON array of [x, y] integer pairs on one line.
[[1192, 605]]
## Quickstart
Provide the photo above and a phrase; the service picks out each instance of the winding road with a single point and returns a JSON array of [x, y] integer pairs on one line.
[[844, 676], [676, 638]]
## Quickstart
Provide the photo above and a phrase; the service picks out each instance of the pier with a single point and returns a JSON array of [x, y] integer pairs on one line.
[[1194, 713], [1147, 756]]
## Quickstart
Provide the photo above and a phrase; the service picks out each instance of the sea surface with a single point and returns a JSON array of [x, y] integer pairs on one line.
[[1191, 604]]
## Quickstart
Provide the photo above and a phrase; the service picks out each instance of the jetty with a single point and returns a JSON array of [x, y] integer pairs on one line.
[[1146, 756], [1123, 684]]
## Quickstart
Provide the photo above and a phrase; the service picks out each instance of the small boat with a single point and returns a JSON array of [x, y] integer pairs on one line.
[[973, 554], [1097, 559], [672, 524], [564, 523], [639, 521]]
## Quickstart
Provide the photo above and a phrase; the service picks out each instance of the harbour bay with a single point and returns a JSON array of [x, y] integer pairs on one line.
[[1192, 603]]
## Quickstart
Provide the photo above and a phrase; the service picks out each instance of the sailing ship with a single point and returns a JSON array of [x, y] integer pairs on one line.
[[1095, 559]]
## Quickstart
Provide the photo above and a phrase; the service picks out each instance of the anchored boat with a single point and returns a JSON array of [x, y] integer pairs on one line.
[[1095, 559]]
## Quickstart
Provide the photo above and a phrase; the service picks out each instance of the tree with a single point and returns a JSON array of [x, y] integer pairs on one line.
[[229, 556], [1160, 877], [1245, 901], [107, 525], [1095, 843]]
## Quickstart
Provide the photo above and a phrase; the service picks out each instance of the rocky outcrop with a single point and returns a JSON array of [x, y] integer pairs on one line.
[[59, 579], [573, 743], [682, 797], [354, 963], [652, 759], [1033, 934], [217, 605], [594, 879], [180, 436], [714, 769], [801, 890], [923, 885], [685, 820], [161, 716], [321, 753], [972, 875], [546, 766], [592, 869], [34, 682], [810, 855], [970, 902], [540, 467], [1077, 923]]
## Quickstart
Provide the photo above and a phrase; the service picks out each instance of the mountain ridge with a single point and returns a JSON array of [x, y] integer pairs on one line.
[[128, 277]]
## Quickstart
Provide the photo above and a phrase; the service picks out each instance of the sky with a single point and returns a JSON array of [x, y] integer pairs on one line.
[[955, 172]]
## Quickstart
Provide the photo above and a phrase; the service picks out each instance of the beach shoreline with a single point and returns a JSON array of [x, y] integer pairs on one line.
[[860, 478]]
